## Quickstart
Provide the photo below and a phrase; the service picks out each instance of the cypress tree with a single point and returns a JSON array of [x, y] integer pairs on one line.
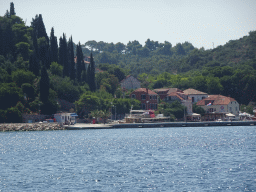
[[60, 51], [65, 64], [79, 62], [1, 41], [41, 31], [71, 59], [92, 74], [44, 85], [34, 64], [53, 47], [12, 12]]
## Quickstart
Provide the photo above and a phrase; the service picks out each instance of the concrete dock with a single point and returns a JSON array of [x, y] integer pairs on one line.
[[155, 125]]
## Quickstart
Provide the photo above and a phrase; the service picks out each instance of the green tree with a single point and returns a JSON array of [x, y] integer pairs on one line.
[[120, 47], [21, 76], [56, 69], [198, 109], [53, 47], [71, 59], [91, 74], [23, 49], [44, 85], [29, 90], [10, 94], [80, 62], [12, 12], [34, 64], [86, 104]]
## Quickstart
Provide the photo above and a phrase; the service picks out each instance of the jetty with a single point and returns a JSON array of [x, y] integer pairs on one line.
[[79, 126]]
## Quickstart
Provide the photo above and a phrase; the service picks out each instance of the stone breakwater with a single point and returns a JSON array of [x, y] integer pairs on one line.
[[30, 126]]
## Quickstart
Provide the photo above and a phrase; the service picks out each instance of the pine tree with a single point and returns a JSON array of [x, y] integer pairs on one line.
[[12, 12], [44, 85], [53, 47], [7, 14], [71, 59]]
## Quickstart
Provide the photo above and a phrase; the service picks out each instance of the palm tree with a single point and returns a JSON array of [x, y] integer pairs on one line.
[[104, 114]]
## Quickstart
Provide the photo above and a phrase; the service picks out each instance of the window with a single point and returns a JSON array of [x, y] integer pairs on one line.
[[193, 99], [133, 96], [143, 106], [230, 108], [150, 97], [236, 108], [143, 96]]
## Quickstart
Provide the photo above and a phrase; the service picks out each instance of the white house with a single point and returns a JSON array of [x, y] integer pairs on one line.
[[218, 106], [195, 95], [65, 118]]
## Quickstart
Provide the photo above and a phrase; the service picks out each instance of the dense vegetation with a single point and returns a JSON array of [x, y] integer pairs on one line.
[[36, 70]]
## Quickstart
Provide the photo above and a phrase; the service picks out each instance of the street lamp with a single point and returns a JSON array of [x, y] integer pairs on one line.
[[115, 110], [39, 110], [147, 105], [131, 110]]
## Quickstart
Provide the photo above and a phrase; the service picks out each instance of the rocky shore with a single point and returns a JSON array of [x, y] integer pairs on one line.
[[30, 126]]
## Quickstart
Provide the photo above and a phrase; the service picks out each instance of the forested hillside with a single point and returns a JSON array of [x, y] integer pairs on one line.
[[36, 69]]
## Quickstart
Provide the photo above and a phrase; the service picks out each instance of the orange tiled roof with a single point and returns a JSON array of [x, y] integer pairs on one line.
[[193, 92], [145, 90], [216, 100], [161, 89], [175, 94]]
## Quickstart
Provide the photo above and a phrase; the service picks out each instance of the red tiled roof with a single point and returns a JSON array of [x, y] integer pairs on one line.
[[161, 89], [216, 100], [193, 92], [175, 94], [145, 91]]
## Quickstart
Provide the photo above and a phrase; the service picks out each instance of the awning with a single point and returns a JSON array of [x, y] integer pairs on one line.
[[230, 115], [194, 115]]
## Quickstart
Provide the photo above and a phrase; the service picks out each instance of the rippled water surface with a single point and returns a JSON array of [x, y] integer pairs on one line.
[[156, 159]]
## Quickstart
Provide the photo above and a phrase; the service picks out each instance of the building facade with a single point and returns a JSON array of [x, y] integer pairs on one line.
[[130, 82], [195, 95], [149, 99], [217, 106]]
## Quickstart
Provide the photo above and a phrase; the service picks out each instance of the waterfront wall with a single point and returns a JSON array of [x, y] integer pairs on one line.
[[30, 126]]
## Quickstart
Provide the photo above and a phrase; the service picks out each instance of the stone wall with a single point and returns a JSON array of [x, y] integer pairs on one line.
[[30, 126]]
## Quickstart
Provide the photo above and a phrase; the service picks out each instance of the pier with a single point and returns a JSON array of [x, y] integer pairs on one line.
[[79, 126]]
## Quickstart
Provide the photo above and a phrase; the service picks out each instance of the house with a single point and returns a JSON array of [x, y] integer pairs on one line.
[[182, 98], [219, 107], [148, 98], [163, 92], [86, 61], [130, 82], [195, 95], [66, 118]]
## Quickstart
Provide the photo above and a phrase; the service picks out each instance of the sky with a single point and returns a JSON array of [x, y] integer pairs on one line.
[[204, 23]]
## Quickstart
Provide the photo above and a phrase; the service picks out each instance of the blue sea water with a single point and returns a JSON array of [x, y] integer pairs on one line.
[[154, 159]]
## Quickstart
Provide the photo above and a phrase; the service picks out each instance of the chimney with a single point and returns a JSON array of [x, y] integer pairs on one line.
[[147, 90]]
